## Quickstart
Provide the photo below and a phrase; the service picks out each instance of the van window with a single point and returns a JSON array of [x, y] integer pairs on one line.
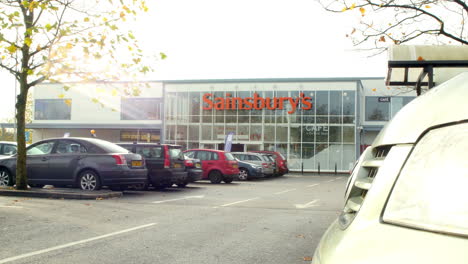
[[150, 152]]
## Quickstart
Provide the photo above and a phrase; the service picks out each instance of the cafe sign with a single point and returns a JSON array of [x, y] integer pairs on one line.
[[257, 102]]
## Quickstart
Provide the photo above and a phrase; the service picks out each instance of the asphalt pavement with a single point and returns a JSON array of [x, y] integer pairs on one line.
[[278, 220]]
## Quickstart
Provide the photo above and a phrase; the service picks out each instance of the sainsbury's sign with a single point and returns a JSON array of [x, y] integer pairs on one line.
[[256, 102]]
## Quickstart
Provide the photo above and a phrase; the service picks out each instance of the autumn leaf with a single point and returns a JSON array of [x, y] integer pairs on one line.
[[61, 96], [344, 9], [374, 89], [86, 19], [68, 102], [99, 198], [114, 92], [427, 6], [354, 31], [362, 10], [163, 55], [382, 39], [420, 58], [307, 258], [352, 6], [12, 49], [28, 41]]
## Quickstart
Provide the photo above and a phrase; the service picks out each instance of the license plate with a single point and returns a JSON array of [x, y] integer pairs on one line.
[[197, 165], [136, 163], [235, 166], [177, 165]]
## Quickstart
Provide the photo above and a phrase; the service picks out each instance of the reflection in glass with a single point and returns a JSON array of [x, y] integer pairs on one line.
[[269, 134]]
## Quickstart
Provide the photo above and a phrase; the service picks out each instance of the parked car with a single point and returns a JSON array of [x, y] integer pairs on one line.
[[217, 165], [406, 200], [272, 163], [88, 163], [7, 148], [194, 170], [249, 170], [256, 158], [165, 163], [281, 161]]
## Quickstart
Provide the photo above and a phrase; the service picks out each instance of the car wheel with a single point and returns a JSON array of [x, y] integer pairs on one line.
[[89, 181], [215, 177], [243, 174], [182, 184], [227, 179], [5, 178]]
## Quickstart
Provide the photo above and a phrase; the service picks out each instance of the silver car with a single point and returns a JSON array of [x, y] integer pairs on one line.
[[406, 200], [256, 158]]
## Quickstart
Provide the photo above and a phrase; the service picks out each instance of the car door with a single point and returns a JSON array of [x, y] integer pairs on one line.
[[205, 159], [37, 162], [64, 161]]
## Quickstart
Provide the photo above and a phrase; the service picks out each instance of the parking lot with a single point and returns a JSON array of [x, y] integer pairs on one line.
[[275, 220]]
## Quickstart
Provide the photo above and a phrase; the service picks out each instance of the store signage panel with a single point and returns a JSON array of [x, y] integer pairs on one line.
[[256, 102], [384, 99], [318, 130]]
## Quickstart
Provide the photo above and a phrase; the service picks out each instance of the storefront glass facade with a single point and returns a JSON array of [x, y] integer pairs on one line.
[[323, 136]]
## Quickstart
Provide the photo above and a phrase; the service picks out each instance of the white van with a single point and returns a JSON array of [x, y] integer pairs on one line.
[[407, 198]]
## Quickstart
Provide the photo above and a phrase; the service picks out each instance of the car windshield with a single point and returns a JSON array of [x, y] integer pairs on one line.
[[229, 156]]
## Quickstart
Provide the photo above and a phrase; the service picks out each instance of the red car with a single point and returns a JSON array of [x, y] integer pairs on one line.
[[217, 165], [281, 162]]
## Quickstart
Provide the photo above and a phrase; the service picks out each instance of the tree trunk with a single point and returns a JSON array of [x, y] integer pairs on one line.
[[21, 176]]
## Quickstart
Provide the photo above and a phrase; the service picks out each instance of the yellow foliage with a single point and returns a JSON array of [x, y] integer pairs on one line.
[[61, 96]]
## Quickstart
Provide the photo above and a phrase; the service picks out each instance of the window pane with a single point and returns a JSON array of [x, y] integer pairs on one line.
[[269, 134], [255, 133], [295, 134], [206, 132], [348, 102], [52, 109], [69, 147], [348, 134], [375, 110], [308, 133], [194, 98], [282, 134], [335, 134], [41, 149], [308, 156]]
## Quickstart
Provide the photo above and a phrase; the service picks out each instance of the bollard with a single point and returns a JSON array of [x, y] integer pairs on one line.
[[335, 168], [302, 168], [319, 168]]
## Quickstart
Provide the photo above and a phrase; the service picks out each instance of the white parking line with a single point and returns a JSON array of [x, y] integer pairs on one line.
[[307, 205], [178, 199], [34, 253], [290, 190], [243, 201], [312, 185], [10, 206], [331, 180]]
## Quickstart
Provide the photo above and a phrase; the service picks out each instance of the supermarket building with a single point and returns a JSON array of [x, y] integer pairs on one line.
[[317, 123]]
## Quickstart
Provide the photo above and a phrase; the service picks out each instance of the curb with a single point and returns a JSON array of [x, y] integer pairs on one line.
[[59, 194]]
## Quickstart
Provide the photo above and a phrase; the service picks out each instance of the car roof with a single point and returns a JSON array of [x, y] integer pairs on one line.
[[8, 142], [443, 104], [146, 144], [214, 150]]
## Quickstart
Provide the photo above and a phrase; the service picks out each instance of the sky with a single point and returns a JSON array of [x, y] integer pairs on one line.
[[221, 39]]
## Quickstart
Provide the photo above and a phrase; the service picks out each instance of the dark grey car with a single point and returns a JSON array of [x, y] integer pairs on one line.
[[88, 163]]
